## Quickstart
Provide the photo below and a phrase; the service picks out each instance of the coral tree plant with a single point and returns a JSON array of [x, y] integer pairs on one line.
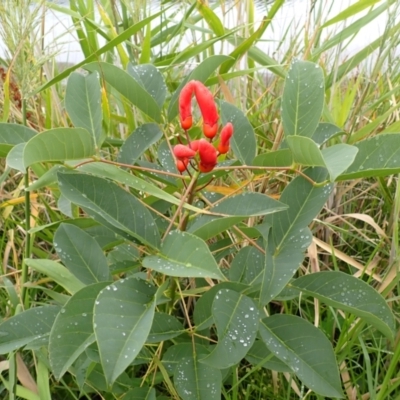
[[159, 288]]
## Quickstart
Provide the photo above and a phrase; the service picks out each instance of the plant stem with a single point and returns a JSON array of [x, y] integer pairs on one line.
[[27, 250]]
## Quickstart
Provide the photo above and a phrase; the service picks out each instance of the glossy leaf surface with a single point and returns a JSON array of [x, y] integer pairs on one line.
[[236, 318], [112, 203], [350, 294], [184, 255], [59, 144], [377, 156], [303, 99], [13, 134], [81, 254], [305, 349], [128, 86], [72, 331], [32, 324], [83, 103], [123, 315], [138, 142], [243, 141]]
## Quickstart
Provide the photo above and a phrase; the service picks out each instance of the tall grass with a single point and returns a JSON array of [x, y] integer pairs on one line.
[[360, 231]]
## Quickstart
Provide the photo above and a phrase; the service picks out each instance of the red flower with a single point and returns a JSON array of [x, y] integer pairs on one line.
[[208, 156], [226, 134], [208, 109], [207, 105], [185, 105], [182, 154]]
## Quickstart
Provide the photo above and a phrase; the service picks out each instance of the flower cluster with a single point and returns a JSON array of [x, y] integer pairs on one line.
[[207, 153]]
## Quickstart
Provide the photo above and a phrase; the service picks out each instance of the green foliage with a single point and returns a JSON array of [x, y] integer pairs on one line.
[[167, 284]]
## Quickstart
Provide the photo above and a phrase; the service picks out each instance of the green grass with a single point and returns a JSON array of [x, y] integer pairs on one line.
[[358, 227]]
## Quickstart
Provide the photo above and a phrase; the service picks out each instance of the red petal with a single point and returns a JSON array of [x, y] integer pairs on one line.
[[182, 164], [226, 133], [185, 105], [194, 145], [223, 148], [208, 154], [208, 108], [182, 151], [206, 168]]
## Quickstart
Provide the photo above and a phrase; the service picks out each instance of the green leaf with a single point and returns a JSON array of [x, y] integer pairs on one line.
[[177, 352], [278, 158], [150, 78], [303, 99], [243, 141], [72, 331], [211, 18], [338, 158], [23, 328], [248, 204], [335, 159], [281, 265], [208, 226], [57, 272], [289, 236], [47, 179], [184, 255], [13, 134], [129, 87], [164, 327], [234, 209], [306, 350], [196, 381], [112, 203], [201, 73], [247, 266], [304, 202], [141, 393], [15, 158], [305, 151], [116, 174], [138, 142], [81, 254], [123, 315], [236, 318], [377, 156], [59, 144], [324, 132], [259, 354], [350, 294], [83, 103], [202, 314]]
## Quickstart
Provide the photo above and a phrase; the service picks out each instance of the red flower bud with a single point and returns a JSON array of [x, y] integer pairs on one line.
[[208, 156], [182, 164], [208, 109], [181, 151], [185, 105], [226, 134]]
